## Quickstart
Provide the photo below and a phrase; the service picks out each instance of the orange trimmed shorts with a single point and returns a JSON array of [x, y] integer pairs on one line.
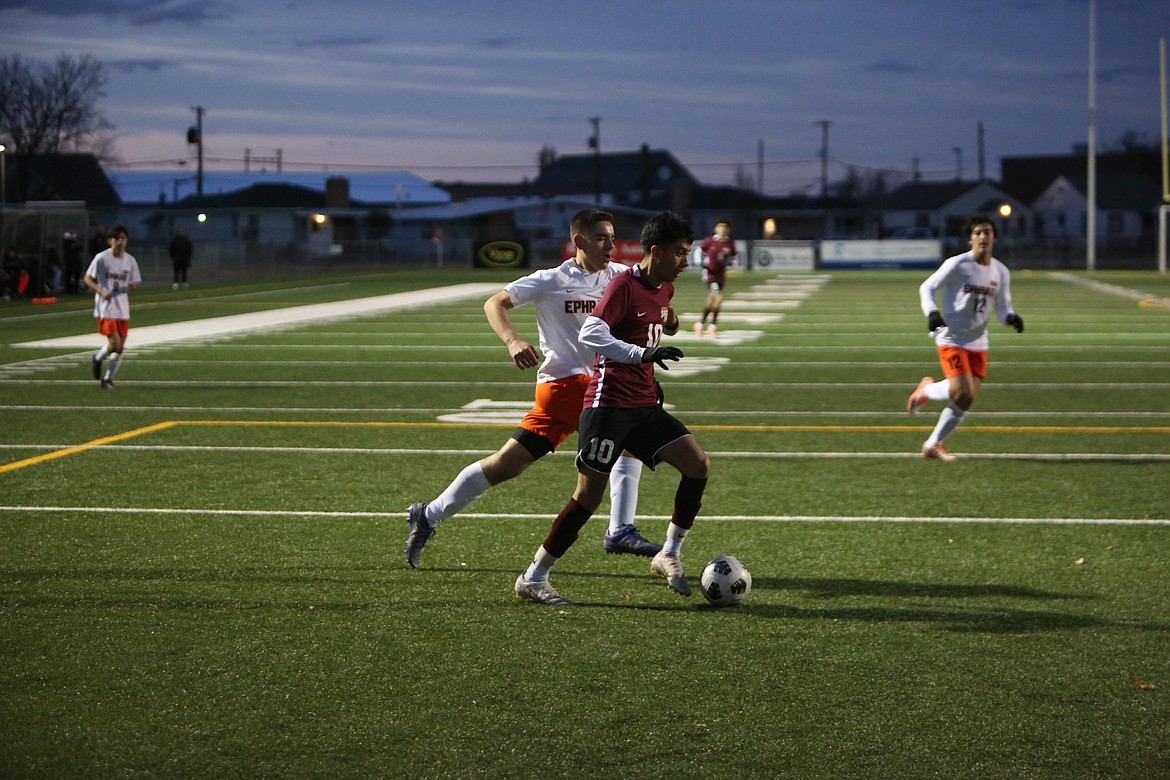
[[956, 361], [110, 327], [557, 409]]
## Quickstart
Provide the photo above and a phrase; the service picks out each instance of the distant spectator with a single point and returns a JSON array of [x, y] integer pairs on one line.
[[98, 242], [10, 274], [71, 254], [53, 279], [181, 251]]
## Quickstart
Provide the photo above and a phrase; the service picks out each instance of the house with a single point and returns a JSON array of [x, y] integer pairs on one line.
[[1128, 195], [58, 177], [631, 178], [540, 226], [941, 208], [1126, 207]]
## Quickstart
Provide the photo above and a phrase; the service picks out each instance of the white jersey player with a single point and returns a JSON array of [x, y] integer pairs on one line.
[[968, 285], [112, 274], [563, 296]]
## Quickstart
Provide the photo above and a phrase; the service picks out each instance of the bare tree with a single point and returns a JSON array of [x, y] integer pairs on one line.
[[49, 108]]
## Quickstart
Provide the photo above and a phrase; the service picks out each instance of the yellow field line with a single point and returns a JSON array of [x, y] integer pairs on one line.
[[87, 446], [739, 428]]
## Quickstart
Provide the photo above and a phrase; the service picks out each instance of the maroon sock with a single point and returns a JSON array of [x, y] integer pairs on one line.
[[687, 501], [564, 529]]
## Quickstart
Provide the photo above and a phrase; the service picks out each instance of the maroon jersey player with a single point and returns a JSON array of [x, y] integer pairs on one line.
[[622, 409], [717, 253]]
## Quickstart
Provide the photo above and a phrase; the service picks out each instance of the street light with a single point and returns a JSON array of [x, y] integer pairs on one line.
[[3, 176]]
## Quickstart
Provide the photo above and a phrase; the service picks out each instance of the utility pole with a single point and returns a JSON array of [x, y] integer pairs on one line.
[[1091, 184], [760, 166], [196, 138], [824, 123], [595, 145], [980, 134], [958, 150]]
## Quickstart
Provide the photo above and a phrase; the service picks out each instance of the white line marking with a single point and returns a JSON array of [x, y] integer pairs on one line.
[[808, 455], [546, 517], [1111, 289], [899, 414], [218, 327]]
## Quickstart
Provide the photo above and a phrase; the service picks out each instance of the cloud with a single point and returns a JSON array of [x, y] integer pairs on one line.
[[137, 12], [893, 67], [150, 66], [338, 42]]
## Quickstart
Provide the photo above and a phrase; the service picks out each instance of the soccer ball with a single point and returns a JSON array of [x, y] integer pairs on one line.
[[725, 581]]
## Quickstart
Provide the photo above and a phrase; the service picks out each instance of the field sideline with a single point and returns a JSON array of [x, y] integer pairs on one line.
[[202, 573]]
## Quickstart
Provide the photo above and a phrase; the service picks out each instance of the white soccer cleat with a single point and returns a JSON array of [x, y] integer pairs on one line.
[[937, 452], [539, 591], [712, 330], [698, 329], [918, 398], [670, 567]]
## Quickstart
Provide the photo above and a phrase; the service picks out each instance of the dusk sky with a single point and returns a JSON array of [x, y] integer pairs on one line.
[[455, 89]]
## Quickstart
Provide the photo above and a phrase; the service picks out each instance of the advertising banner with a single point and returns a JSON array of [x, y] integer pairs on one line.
[[904, 253], [783, 256]]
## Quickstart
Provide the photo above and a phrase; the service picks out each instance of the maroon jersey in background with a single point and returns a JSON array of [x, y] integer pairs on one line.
[[636, 313], [718, 254]]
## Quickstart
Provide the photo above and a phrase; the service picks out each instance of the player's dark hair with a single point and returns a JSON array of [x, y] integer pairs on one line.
[[117, 230], [666, 228], [977, 219], [587, 218]]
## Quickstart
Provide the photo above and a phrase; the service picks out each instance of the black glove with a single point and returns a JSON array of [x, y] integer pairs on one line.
[[934, 321], [1016, 321], [660, 355]]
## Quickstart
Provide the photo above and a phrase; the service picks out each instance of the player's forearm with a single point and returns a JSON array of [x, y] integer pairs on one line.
[[596, 335], [496, 310]]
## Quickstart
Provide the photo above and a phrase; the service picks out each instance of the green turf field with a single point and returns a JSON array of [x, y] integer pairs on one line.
[[201, 572]]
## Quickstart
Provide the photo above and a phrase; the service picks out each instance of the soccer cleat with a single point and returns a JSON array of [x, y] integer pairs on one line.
[[670, 567], [937, 452], [539, 591], [628, 540], [712, 330], [698, 329], [918, 398], [107, 384], [420, 531], [97, 367]]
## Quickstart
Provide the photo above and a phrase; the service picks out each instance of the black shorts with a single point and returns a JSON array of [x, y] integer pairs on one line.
[[603, 433]]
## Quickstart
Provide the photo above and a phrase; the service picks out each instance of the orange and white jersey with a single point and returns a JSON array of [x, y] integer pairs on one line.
[[963, 291], [115, 274], [564, 296]]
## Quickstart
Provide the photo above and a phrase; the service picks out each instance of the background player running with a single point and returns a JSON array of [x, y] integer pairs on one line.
[[966, 285], [717, 253], [112, 274]]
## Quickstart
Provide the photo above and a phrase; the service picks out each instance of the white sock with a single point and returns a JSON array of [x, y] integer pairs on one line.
[[112, 369], [947, 422], [464, 489], [674, 540], [541, 563], [939, 391], [101, 354], [623, 492]]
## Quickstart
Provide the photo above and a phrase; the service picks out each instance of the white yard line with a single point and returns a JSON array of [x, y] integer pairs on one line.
[[219, 327], [1111, 289], [544, 517]]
